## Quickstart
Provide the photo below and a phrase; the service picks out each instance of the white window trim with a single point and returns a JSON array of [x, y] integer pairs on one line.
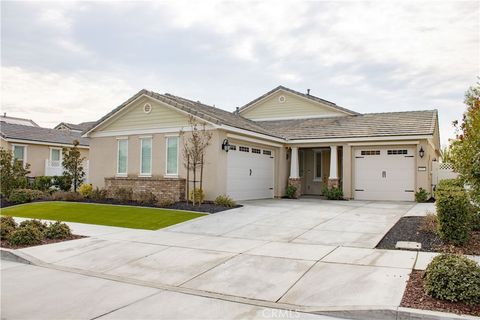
[[121, 174], [146, 174], [61, 155], [171, 175], [315, 154], [24, 153]]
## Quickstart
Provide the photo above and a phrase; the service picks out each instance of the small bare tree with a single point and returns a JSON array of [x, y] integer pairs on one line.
[[195, 143]]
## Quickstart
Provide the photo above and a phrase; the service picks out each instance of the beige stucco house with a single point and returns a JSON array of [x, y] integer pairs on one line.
[[282, 137], [37, 146]]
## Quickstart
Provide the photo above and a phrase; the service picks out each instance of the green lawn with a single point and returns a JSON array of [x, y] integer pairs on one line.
[[102, 214]]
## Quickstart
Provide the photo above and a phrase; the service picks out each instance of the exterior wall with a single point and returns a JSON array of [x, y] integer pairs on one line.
[[134, 117], [293, 107], [103, 161], [36, 155]]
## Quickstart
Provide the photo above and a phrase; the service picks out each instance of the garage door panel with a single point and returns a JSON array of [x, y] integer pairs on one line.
[[381, 174], [250, 175]]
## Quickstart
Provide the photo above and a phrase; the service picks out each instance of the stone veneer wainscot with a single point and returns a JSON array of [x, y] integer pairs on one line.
[[163, 188]]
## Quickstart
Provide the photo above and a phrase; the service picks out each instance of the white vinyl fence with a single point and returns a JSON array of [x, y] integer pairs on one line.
[[442, 171]]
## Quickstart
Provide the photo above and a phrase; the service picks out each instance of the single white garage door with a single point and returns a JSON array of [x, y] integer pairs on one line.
[[384, 173], [250, 173]]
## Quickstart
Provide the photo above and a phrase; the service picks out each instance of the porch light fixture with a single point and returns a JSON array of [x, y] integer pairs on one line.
[[225, 145], [421, 153]]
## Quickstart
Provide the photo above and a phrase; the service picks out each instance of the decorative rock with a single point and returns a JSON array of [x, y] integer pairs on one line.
[[408, 245]]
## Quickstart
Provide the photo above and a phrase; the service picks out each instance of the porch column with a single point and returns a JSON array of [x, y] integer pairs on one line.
[[294, 164], [294, 178], [333, 178]]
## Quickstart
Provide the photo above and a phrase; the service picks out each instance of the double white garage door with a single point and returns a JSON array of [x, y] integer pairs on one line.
[[384, 173], [250, 173]]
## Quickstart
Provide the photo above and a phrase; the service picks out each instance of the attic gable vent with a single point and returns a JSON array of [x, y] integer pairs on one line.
[[147, 108], [282, 99]]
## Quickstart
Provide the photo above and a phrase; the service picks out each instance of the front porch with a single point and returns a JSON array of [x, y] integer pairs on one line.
[[314, 168]]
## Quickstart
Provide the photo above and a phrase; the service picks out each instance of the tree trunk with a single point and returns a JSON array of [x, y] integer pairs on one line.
[[188, 178], [201, 176]]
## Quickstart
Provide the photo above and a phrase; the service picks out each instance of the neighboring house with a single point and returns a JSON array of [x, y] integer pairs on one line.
[[281, 137], [37, 146], [82, 126]]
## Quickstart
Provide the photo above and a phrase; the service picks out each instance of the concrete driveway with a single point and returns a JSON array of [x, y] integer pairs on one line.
[[307, 254]]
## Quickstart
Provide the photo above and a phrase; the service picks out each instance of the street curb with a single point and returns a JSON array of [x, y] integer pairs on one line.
[[349, 312]]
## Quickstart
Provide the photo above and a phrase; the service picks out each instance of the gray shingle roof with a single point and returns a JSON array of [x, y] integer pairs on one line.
[[308, 96], [78, 127], [365, 125], [358, 125], [38, 134]]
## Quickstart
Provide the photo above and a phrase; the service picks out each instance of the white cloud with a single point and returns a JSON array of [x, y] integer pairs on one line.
[[50, 98]]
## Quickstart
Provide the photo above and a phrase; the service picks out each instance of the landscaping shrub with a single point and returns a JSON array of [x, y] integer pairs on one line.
[[25, 236], [8, 221], [66, 196], [5, 230], [291, 192], [34, 223], [430, 223], [453, 213], [146, 198], [123, 194], [453, 278], [448, 184], [421, 195], [57, 230], [197, 194], [99, 194], [13, 173], [86, 190], [225, 201], [18, 196], [166, 203], [63, 183], [333, 193], [42, 183]]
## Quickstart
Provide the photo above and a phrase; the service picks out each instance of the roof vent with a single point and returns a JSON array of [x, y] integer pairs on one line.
[[237, 111], [308, 91]]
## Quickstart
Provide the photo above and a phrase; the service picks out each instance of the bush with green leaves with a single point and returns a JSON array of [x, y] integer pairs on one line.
[[123, 194], [421, 195], [13, 173], [25, 236], [146, 198], [453, 278], [225, 201], [291, 191], [63, 183], [66, 196], [86, 190], [164, 203], [34, 223], [99, 194], [43, 183], [333, 193], [8, 221], [197, 196], [57, 230], [453, 214], [18, 196]]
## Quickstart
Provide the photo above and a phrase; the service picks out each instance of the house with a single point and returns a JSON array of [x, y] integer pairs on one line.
[[37, 146], [283, 137], [82, 126]]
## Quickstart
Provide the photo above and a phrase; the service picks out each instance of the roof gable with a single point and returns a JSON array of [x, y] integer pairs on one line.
[[284, 103]]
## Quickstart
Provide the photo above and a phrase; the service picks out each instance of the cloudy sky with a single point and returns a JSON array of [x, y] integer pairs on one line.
[[75, 61]]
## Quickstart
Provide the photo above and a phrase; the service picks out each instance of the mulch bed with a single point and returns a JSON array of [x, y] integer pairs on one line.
[[5, 244], [207, 206], [415, 297], [409, 229]]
